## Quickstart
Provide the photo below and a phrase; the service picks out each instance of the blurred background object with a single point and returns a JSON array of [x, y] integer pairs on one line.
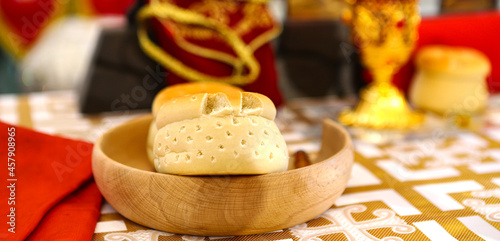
[[48, 44], [429, 7], [60, 58], [385, 32], [317, 9], [8, 74], [39, 39], [212, 40], [121, 76], [311, 44], [450, 80], [475, 30], [315, 48], [456, 6]]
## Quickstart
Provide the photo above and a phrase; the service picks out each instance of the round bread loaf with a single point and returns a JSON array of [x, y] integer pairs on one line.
[[181, 90], [453, 60], [450, 80], [218, 134]]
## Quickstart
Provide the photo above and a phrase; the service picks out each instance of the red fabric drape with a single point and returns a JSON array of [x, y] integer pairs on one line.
[[50, 186]]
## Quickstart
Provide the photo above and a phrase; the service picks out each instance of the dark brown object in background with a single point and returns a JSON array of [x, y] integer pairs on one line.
[[319, 58], [121, 77], [317, 9], [455, 6], [317, 53]]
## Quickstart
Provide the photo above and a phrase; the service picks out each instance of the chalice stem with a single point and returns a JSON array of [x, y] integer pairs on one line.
[[381, 105], [382, 75]]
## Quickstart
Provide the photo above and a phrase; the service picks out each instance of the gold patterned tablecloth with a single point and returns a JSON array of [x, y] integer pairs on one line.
[[443, 187]]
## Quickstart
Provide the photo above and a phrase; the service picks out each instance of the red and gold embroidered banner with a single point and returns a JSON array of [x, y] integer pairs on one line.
[[213, 40], [22, 22]]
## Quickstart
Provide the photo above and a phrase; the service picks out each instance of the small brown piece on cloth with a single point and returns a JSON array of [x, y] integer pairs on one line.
[[302, 159]]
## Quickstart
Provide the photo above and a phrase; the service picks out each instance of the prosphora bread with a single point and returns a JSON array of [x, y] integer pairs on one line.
[[178, 90], [450, 80], [219, 134], [452, 60]]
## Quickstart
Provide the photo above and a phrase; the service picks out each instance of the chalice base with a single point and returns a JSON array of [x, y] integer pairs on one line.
[[381, 106]]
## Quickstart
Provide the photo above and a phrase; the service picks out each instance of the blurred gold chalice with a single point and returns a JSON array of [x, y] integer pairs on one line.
[[385, 32]]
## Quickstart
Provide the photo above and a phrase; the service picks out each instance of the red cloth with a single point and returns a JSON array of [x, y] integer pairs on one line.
[[113, 7], [47, 169], [476, 30], [74, 218]]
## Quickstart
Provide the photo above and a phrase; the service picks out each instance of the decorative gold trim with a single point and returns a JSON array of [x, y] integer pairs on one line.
[[241, 28], [224, 57], [24, 111], [264, 38], [84, 8]]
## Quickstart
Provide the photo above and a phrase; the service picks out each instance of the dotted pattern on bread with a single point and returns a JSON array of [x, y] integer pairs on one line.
[[220, 145]]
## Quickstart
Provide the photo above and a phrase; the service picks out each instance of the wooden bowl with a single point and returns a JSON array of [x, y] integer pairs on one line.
[[217, 205]]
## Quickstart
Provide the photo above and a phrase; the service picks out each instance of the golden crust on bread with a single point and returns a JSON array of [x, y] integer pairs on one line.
[[455, 60], [190, 88], [217, 104]]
